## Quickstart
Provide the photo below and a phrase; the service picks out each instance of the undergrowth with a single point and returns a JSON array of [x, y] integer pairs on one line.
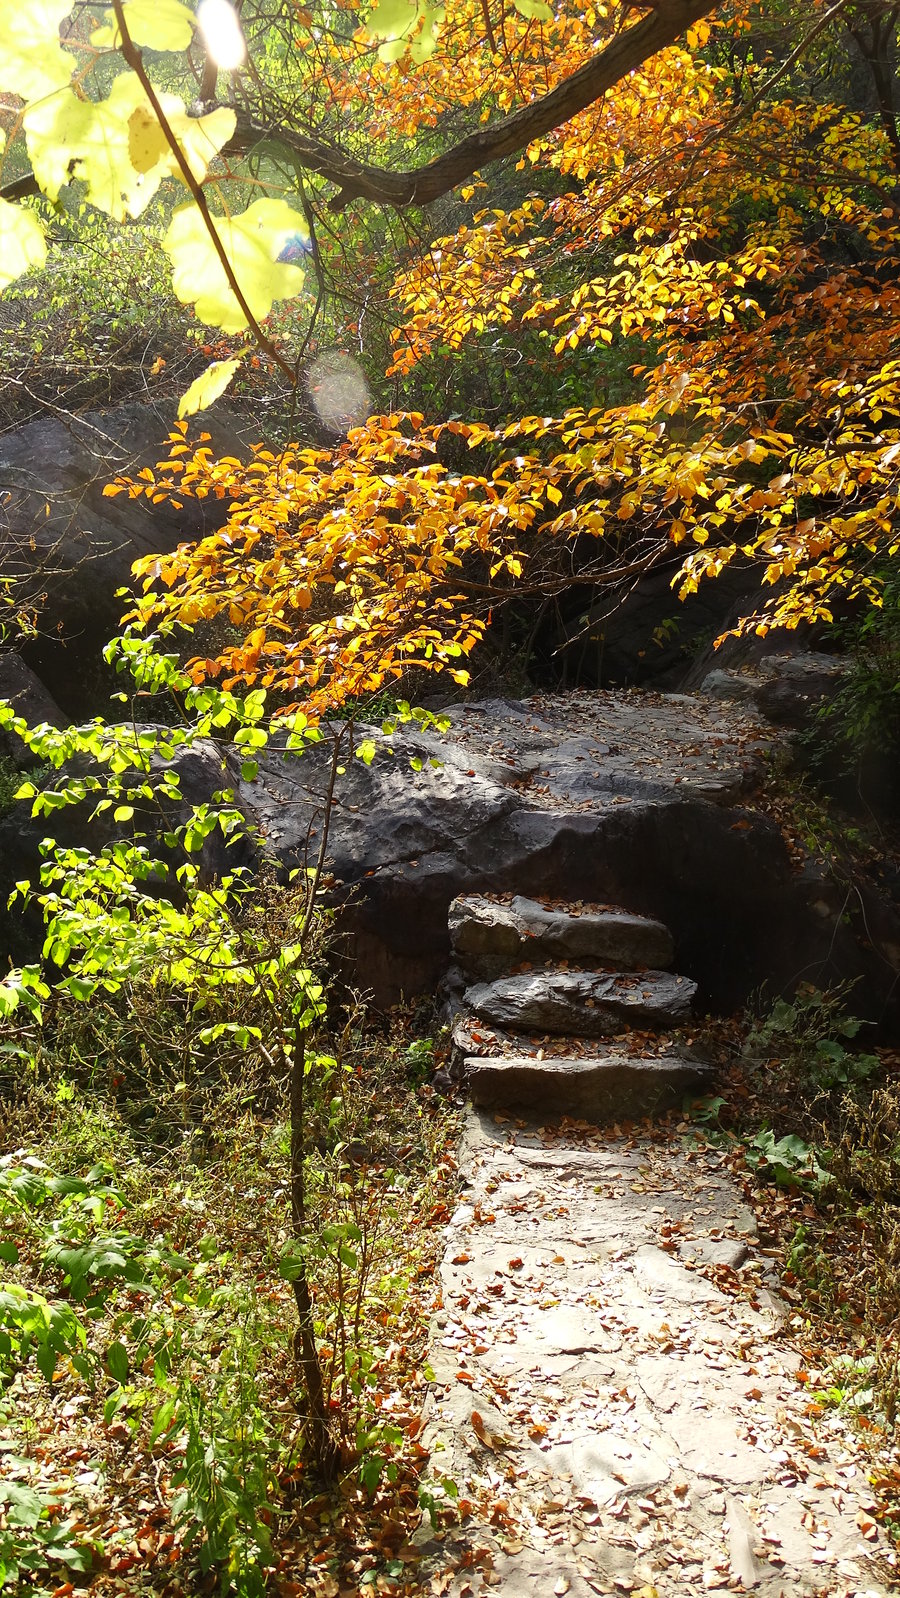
[[816, 1116], [149, 1411]]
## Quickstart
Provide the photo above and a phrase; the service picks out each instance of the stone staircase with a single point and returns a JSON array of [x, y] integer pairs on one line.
[[564, 1009]]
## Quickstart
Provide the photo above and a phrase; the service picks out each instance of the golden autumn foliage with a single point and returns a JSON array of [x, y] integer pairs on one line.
[[711, 222]]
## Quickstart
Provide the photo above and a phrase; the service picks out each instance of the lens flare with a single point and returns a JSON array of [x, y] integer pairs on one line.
[[221, 29], [338, 390]]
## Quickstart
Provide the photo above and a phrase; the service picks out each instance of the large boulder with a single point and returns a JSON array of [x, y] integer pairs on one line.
[[23, 689], [69, 548], [787, 688], [635, 800], [630, 799]]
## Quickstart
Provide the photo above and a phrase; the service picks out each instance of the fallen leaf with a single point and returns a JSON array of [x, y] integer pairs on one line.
[[479, 1430]]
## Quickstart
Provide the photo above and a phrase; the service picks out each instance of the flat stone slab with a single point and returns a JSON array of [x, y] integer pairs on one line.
[[582, 1003], [584, 747], [616, 1414], [597, 1089], [489, 935]]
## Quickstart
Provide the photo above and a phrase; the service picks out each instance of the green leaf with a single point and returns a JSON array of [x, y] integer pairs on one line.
[[24, 1507], [536, 10], [22, 242], [158, 24], [252, 241], [73, 1555], [32, 61], [206, 388], [163, 1420], [9, 1253], [46, 1361], [291, 1265], [117, 1362]]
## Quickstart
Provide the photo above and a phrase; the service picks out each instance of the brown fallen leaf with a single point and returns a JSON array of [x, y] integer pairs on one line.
[[478, 1428]]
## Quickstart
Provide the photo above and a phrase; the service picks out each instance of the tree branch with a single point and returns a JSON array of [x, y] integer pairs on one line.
[[421, 185], [354, 179], [629, 49]]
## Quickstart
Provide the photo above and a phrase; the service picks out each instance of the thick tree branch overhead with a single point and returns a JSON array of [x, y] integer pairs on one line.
[[660, 27]]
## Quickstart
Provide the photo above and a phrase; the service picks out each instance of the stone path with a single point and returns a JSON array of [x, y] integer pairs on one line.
[[615, 1389]]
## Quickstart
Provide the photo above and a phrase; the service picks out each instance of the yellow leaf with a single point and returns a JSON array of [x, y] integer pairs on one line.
[[206, 388], [158, 24], [253, 241], [32, 60], [22, 242]]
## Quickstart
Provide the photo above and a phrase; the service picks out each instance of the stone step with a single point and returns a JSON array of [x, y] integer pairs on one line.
[[582, 1004], [601, 1089], [489, 936]]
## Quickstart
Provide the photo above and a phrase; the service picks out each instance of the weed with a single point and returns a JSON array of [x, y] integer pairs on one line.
[[862, 718], [35, 1536], [705, 1111], [222, 1156], [803, 1041], [832, 1146], [225, 1489], [787, 1161]]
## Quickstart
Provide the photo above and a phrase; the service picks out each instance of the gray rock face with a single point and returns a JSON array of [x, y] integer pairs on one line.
[[29, 698], [605, 798], [612, 1088], [624, 799], [487, 936], [63, 538], [787, 688], [587, 1004]]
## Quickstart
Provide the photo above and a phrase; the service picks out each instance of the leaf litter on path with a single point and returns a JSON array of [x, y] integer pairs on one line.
[[631, 1413]]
